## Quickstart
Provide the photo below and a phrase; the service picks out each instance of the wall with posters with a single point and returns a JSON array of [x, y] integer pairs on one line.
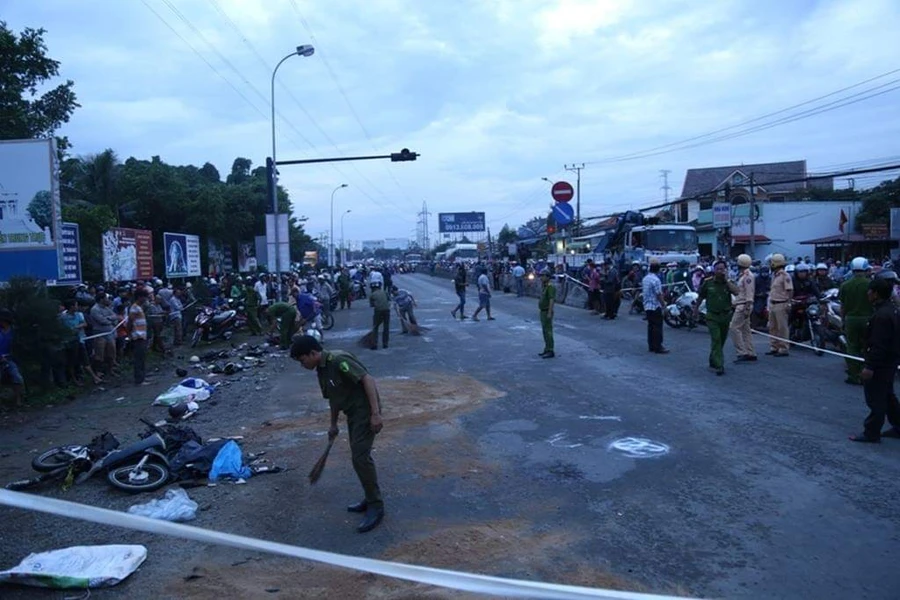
[[182, 255], [247, 257], [220, 260], [30, 214], [127, 254]]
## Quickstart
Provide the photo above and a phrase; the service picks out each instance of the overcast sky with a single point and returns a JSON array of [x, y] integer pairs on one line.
[[494, 94]]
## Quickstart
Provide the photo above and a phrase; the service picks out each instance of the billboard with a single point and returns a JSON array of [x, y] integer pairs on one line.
[[372, 245], [219, 257], [30, 214], [70, 252], [127, 254], [283, 255], [721, 214], [182, 254], [460, 222], [247, 257]]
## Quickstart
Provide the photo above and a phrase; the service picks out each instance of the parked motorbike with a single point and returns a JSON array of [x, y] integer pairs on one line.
[[680, 313], [803, 320], [211, 324], [139, 467]]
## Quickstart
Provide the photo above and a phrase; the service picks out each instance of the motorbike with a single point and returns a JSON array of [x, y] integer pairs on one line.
[[211, 324], [139, 467], [804, 319], [759, 316], [680, 313], [325, 317], [830, 330]]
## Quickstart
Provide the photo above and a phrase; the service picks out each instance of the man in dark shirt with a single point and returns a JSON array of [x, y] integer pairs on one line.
[[9, 371], [882, 355]]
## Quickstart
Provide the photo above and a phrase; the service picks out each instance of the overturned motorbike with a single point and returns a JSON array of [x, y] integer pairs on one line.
[[211, 324], [680, 313]]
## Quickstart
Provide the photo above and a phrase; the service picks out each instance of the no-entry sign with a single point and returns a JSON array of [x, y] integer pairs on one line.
[[562, 191]]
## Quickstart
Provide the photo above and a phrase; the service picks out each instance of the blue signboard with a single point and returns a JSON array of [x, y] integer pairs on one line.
[[460, 222], [563, 213], [70, 249]]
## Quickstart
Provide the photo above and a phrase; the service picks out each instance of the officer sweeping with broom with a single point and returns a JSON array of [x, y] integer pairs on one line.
[[347, 385]]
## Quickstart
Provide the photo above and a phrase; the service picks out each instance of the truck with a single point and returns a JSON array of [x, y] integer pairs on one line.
[[636, 238]]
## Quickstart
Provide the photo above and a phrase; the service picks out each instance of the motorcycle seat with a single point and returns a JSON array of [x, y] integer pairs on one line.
[[223, 316]]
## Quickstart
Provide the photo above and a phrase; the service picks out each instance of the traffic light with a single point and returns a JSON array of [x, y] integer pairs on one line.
[[551, 229], [403, 155]]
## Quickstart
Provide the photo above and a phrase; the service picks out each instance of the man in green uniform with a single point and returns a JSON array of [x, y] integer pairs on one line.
[[381, 315], [717, 291], [252, 305], [344, 288], [347, 385], [545, 305], [855, 312], [288, 315]]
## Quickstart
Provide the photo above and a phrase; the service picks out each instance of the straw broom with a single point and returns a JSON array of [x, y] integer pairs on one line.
[[317, 469]]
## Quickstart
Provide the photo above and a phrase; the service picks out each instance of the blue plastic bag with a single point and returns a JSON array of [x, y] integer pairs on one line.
[[229, 463]]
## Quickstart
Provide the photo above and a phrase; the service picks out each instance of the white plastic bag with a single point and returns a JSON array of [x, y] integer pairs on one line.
[[175, 506], [77, 567], [192, 389]]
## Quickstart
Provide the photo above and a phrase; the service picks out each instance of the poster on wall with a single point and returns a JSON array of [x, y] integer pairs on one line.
[[220, 261], [127, 254], [30, 214], [182, 253], [247, 257]]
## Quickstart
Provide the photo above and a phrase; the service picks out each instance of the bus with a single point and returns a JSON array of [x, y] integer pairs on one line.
[[413, 258]]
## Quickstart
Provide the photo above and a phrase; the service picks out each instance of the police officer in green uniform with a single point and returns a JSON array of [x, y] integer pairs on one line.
[[287, 313], [855, 312], [347, 385], [717, 291], [545, 305]]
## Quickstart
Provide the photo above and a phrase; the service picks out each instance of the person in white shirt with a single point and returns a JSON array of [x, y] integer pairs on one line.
[[484, 295], [519, 275]]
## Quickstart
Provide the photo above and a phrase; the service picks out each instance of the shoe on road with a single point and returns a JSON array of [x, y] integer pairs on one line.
[[359, 507], [371, 520], [548, 355]]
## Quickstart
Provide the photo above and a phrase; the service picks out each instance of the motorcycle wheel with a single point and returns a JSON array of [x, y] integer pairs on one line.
[[195, 338], [151, 476], [671, 321], [54, 458], [327, 321]]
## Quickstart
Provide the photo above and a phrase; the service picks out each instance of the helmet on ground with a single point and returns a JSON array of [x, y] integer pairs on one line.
[[859, 264], [821, 267], [315, 333], [744, 260], [777, 260], [802, 268], [178, 411], [790, 268]]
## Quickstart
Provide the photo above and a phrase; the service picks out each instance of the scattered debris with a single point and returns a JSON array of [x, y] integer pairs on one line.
[[79, 567], [189, 389], [176, 506]]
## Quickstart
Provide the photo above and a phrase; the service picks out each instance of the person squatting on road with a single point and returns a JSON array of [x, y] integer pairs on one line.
[[654, 301], [348, 387], [459, 284], [780, 295], [856, 310], [286, 318], [545, 306], [381, 316], [405, 302], [717, 291], [741, 334], [484, 296], [882, 356]]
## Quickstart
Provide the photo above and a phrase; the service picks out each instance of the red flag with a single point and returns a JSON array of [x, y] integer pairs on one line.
[[843, 221]]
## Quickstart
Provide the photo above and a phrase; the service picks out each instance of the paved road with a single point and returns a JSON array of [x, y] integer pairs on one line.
[[753, 489]]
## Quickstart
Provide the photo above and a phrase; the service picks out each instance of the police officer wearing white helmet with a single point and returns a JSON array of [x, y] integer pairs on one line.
[[781, 293], [856, 310], [823, 281], [741, 335]]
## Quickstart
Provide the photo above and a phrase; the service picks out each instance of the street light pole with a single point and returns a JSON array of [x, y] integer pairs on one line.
[[331, 235], [343, 247], [304, 50]]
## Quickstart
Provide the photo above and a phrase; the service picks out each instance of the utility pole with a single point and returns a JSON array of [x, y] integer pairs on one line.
[[752, 220], [577, 170], [665, 186]]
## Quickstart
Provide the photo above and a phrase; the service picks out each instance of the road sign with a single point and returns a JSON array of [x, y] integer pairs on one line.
[[563, 213], [562, 191], [721, 215]]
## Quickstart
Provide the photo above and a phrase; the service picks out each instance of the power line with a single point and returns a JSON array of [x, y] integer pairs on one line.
[[675, 146]]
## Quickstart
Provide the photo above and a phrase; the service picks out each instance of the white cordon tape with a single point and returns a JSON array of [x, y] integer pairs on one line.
[[807, 346], [469, 582], [97, 335]]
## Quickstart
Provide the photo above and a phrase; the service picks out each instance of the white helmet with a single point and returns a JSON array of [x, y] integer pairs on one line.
[[859, 264], [790, 268], [821, 266], [212, 281], [802, 268], [315, 333]]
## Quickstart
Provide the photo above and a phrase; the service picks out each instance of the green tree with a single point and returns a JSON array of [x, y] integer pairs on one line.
[[27, 108], [240, 171], [506, 236], [41, 208], [878, 202]]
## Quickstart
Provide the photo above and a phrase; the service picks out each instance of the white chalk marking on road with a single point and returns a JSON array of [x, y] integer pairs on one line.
[[554, 439], [599, 418], [639, 447]]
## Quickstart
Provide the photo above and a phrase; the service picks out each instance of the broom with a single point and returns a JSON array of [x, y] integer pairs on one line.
[[368, 340], [317, 469]]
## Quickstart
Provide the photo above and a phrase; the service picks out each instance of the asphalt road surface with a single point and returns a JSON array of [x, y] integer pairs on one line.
[[606, 466]]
